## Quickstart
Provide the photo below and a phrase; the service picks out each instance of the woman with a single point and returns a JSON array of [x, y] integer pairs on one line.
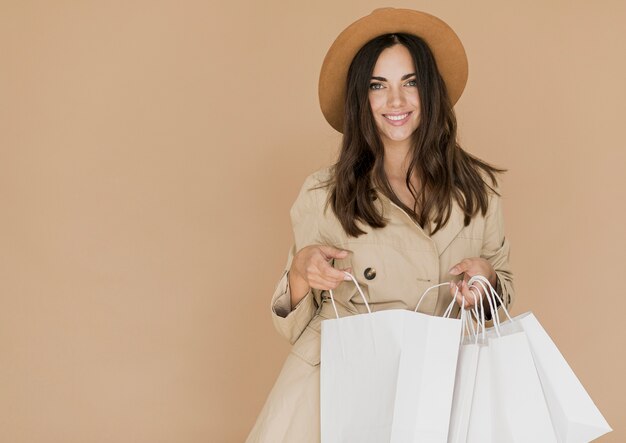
[[403, 209]]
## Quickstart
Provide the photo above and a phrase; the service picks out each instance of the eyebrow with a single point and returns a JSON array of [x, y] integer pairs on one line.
[[404, 77]]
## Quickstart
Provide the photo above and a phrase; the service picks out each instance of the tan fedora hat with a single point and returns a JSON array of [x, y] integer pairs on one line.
[[443, 42]]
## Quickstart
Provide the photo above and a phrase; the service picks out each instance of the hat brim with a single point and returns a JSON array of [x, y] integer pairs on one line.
[[444, 43]]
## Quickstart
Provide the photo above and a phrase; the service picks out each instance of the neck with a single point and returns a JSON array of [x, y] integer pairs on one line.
[[397, 160]]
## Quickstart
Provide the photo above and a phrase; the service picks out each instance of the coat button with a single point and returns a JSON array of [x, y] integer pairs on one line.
[[370, 273]]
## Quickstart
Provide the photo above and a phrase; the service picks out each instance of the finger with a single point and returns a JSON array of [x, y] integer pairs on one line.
[[468, 295], [331, 252], [319, 282], [347, 277], [456, 269], [461, 266], [331, 273], [479, 288], [472, 271], [452, 289], [460, 300], [456, 293], [474, 297], [315, 273], [334, 276]]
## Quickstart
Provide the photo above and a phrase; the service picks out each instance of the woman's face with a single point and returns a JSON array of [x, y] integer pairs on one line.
[[393, 95]]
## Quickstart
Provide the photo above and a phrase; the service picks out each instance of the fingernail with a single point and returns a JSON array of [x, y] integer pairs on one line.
[[346, 277]]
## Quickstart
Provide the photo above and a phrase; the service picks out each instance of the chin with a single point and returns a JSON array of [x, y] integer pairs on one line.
[[401, 138]]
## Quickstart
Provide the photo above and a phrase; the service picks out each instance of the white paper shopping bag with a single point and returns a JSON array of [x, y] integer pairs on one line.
[[574, 416], [464, 384], [479, 427], [480, 423], [387, 376], [519, 408]]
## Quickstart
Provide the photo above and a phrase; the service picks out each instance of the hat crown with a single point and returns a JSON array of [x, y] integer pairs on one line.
[[377, 10]]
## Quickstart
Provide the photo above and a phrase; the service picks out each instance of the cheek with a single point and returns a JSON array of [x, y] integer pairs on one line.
[[375, 102], [416, 101]]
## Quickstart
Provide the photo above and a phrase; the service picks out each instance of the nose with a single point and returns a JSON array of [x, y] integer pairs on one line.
[[395, 99]]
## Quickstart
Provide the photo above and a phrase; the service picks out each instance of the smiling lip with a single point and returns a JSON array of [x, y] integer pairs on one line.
[[397, 122]]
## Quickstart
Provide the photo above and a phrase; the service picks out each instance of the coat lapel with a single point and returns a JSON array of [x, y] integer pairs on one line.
[[447, 233], [441, 238]]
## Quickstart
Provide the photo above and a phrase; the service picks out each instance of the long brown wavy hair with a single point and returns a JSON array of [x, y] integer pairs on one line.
[[444, 169]]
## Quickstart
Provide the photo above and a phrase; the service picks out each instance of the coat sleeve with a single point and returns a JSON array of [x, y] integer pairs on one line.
[[304, 213], [496, 249]]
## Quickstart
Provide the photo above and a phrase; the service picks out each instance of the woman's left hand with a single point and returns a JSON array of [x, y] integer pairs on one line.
[[471, 266]]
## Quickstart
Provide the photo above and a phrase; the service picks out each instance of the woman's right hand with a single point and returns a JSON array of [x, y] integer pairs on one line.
[[310, 268]]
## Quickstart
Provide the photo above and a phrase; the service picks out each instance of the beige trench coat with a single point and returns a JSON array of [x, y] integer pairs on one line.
[[406, 262]]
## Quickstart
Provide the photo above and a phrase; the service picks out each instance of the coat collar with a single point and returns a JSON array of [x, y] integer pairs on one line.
[[441, 238]]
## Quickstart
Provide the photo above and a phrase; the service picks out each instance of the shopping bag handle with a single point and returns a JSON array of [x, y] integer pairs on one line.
[[448, 310], [466, 322], [432, 287], [473, 286], [489, 295], [466, 319], [332, 298], [482, 279]]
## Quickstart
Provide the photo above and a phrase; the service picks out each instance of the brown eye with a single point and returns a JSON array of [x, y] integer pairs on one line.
[[372, 85]]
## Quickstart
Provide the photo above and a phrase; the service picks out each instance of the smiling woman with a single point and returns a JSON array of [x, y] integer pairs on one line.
[[416, 160], [409, 208]]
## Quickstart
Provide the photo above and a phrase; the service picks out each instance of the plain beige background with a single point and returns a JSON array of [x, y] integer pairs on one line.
[[150, 152]]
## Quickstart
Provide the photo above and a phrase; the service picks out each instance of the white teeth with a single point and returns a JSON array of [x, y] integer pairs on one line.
[[397, 117]]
